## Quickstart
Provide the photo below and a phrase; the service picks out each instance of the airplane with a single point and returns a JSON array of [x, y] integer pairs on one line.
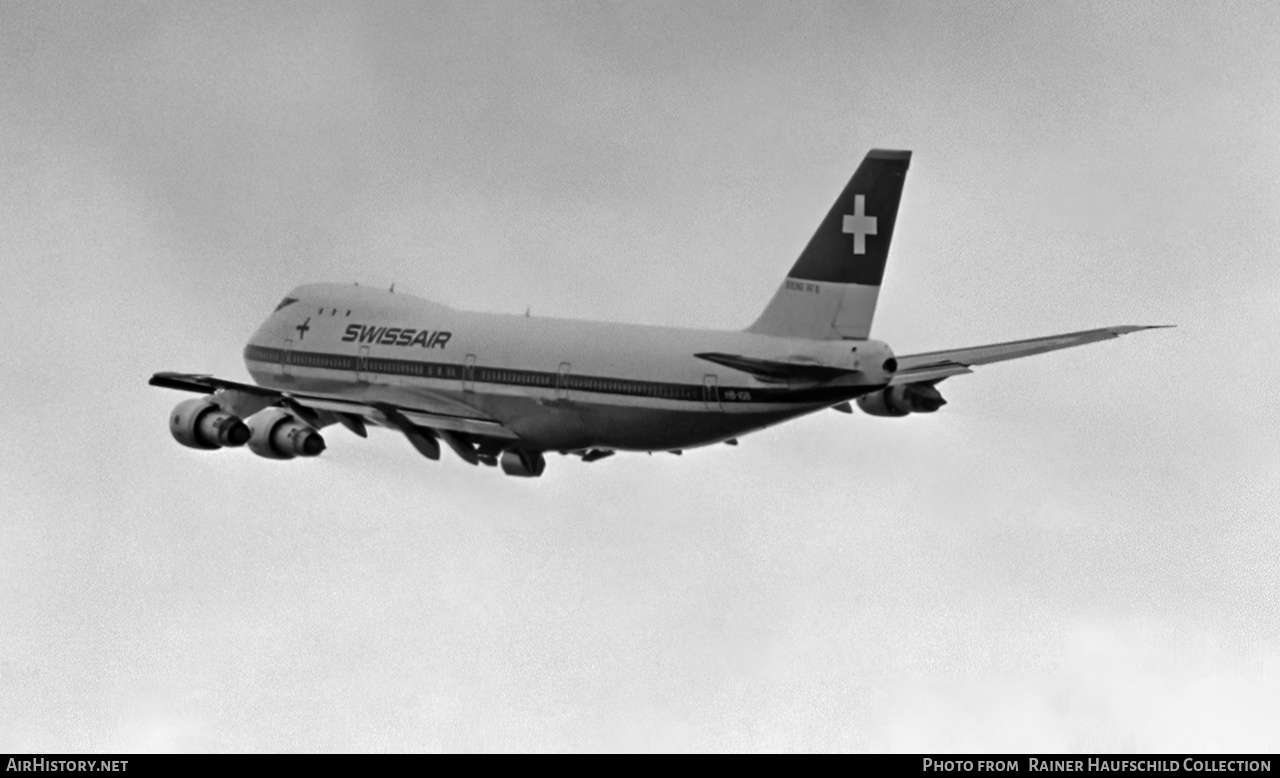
[[502, 389]]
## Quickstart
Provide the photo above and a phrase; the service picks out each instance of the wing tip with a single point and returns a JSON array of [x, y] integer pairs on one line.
[[1130, 328], [187, 382], [902, 155]]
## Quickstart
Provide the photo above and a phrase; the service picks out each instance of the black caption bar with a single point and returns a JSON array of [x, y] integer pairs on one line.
[[901, 764]]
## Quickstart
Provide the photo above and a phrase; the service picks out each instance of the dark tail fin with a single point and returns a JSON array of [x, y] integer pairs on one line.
[[831, 291]]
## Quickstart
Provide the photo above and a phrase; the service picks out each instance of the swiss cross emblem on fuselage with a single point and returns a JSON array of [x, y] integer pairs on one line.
[[859, 224]]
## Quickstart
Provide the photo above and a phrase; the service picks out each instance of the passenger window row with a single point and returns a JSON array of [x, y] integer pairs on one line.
[[484, 375]]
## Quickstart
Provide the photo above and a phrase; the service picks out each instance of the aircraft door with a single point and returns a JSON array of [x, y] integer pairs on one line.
[[286, 357], [362, 364], [562, 381], [711, 393], [469, 374]]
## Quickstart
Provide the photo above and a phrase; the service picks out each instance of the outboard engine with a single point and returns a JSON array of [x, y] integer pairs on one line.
[[901, 400], [201, 423]]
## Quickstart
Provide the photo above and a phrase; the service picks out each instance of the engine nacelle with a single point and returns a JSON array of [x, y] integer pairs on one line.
[[277, 434], [200, 423], [901, 400], [525, 464]]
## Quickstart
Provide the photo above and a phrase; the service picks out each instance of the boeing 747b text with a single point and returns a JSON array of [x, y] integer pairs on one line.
[[504, 389]]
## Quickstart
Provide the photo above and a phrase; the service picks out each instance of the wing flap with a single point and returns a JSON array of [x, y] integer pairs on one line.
[[439, 421]]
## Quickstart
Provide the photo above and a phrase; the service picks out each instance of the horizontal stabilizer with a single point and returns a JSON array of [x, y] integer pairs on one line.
[[776, 370]]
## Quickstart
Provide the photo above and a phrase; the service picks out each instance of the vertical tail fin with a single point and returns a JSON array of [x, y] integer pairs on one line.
[[831, 291]]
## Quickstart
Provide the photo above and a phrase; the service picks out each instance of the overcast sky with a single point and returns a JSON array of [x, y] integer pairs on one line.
[[1077, 553]]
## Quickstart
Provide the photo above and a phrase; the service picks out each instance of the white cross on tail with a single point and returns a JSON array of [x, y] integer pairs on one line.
[[860, 224]]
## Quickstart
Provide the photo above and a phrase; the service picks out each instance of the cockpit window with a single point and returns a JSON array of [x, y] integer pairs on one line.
[[286, 301]]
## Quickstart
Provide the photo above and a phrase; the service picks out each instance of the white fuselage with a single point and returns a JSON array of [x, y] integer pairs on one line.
[[560, 384]]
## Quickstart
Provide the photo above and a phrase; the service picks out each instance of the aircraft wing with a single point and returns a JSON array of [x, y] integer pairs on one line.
[[934, 366], [350, 413]]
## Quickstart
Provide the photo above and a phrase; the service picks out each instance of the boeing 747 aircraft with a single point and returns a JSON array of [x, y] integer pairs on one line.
[[504, 389]]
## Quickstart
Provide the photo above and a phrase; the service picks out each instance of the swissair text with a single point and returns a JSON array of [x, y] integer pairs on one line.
[[396, 336]]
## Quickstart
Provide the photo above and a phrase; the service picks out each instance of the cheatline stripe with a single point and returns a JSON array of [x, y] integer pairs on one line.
[[574, 382]]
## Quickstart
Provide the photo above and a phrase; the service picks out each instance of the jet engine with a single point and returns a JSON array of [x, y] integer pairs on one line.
[[201, 423], [277, 434], [526, 464], [901, 400]]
